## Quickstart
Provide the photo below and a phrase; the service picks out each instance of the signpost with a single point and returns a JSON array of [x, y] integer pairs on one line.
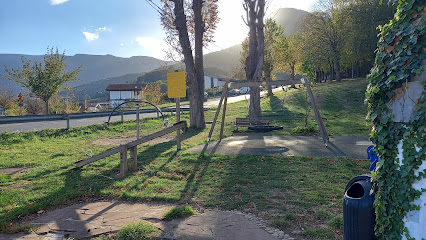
[[176, 88]]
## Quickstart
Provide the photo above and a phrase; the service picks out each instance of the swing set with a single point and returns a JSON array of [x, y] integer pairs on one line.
[[236, 85]]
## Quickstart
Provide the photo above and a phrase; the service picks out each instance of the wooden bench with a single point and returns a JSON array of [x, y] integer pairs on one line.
[[246, 122]]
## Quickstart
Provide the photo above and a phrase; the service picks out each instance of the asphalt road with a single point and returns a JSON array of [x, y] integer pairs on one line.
[[30, 126]]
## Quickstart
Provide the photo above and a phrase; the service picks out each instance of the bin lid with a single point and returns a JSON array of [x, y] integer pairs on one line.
[[356, 179]]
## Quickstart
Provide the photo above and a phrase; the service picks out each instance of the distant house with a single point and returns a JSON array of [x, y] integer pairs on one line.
[[119, 93], [93, 107], [212, 82]]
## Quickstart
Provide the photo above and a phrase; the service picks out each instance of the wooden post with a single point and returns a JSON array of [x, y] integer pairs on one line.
[[122, 117], [67, 117], [123, 160], [178, 143], [134, 156], [318, 118], [224, 113], [218, 111], [137, 121]]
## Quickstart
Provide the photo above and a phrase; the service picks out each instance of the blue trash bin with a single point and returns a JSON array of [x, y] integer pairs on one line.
[[359, 217]]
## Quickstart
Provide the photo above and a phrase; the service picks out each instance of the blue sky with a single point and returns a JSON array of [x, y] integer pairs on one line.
[[121, 28]]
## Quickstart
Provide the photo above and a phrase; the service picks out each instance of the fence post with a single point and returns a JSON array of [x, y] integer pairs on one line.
[[68, 121], [137, 121], [122, 117], [123, 160]]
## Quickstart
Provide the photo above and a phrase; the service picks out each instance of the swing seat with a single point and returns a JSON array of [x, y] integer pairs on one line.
[[264, 128], [247, 122]]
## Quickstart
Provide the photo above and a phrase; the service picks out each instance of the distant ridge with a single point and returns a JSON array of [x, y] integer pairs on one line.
[[95, 67], [227, 59], [289, 19]]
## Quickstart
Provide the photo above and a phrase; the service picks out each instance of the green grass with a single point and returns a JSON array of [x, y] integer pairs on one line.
[[319, 233], [341, 106], [142, 230], [179, 212], [290, 193]]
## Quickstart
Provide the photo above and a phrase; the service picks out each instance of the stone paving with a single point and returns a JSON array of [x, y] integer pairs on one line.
[[311, 146], [92, 219]]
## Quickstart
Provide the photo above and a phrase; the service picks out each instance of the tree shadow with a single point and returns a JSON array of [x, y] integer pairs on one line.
[[195, 179]]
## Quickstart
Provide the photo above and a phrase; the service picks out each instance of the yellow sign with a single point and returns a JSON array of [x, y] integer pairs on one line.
[[176, 86]]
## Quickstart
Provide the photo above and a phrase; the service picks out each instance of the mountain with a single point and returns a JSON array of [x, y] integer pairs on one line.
[[96, 89], [95, 67], [227, 59], [289, 18]]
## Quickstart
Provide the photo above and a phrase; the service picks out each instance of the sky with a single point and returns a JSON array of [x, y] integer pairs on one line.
[[122, 28]]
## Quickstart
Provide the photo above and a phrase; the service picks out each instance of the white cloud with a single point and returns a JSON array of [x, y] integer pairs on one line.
[[152, 46], [103, 29], [57, 2], [91, 36], [122, 44]]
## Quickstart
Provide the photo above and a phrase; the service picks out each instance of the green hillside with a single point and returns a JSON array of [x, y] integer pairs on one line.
[[96, 90]]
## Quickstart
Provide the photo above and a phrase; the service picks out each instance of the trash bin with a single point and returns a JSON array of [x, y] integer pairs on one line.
[[358, 211]]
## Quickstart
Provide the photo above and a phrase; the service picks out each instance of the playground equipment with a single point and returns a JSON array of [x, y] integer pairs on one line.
[[132, 146], [237, 85], [135, 101]]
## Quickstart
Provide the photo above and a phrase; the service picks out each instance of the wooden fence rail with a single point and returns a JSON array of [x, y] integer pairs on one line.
[[133, 149]]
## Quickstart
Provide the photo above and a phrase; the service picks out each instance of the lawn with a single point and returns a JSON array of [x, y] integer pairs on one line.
[[299, 194]]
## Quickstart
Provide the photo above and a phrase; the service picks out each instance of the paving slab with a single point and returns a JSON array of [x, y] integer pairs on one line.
[[312, 146], [86, 220]]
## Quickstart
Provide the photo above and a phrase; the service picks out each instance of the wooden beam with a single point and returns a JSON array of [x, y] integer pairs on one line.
[[222, 125], [174, 128], [134, 161], [110, 152], [123, 161], [235, 85], [224, 93], [320, 123], [179, 125]]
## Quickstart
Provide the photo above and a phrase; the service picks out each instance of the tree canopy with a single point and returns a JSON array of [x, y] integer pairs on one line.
[[46, 78], [190, 25]]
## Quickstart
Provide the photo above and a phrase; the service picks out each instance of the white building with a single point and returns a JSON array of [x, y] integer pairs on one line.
[[212, 82], [119, 93]]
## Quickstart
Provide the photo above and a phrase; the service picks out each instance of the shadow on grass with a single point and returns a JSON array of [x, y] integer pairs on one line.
[[50, 186]]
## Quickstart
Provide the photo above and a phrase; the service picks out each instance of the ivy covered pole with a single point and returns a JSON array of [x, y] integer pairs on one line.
[[397, 109]]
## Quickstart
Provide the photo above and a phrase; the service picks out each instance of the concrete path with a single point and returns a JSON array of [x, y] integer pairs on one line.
[[92, 219], [353, 147]]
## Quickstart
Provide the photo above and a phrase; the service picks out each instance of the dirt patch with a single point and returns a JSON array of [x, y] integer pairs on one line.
[[121, 141], [13, 170]]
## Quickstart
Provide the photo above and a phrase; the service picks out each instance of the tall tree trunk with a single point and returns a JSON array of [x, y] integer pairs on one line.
[[46, 104], [194, 76], [197, 118], [254, 63], [268, 72], [337, 69]]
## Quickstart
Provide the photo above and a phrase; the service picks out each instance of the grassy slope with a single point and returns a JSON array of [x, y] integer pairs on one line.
[[291, 193]]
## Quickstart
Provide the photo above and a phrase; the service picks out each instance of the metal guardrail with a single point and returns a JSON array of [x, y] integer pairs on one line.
[[40, 118]]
